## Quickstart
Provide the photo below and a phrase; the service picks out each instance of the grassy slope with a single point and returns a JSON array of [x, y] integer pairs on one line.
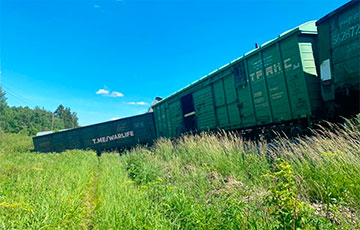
[[200, 182]]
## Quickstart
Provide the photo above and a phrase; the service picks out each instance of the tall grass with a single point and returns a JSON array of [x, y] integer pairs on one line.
[[121, 203], [40, 191], [12, 143], [220, 181], [206, 181]]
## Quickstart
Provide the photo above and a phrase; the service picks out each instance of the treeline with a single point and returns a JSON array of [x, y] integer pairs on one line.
[[31, 121]]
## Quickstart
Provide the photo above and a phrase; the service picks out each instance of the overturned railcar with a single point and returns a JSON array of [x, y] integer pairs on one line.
[[112, 135]]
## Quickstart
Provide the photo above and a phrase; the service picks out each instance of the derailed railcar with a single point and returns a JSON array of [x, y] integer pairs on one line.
[[274, 84], [112, 135], [339, 59]]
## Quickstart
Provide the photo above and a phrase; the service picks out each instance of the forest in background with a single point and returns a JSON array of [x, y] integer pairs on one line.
[[31, 121]]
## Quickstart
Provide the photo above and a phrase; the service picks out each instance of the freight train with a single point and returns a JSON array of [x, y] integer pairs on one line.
[[309, 73]]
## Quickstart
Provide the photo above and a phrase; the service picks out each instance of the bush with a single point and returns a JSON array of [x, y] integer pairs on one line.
[[15, 143]]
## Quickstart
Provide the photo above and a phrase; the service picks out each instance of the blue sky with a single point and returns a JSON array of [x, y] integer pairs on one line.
[[110, 58]]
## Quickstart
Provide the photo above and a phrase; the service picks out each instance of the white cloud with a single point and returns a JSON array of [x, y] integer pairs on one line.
[[107, 93], [102, 91], [137, 103], [116, 94], [142, 103], [114, 119]]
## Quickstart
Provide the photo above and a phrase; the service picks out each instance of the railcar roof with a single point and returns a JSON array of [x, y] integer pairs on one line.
[[306, 28], [338, 10], [48, 133]]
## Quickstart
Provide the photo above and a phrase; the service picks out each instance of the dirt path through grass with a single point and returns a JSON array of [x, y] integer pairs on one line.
[[91, 197]]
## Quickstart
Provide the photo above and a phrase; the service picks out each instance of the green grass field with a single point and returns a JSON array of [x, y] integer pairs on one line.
[[196, 182]]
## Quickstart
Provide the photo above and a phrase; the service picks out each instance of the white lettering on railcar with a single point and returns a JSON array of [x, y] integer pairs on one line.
[[346, 29], [113, 137], [346, 34], [295, 66], [287, 65], [258, 74], [273, 69], [349, 20], [269, 71], [277, 67], [252, 75]]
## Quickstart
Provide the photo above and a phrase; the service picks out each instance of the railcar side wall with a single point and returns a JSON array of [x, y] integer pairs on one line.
[[122, 133]]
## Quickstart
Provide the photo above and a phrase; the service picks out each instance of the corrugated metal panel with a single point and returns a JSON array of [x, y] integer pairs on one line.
[[229, 87], [277, 88], [222, 116], [295, 78], [221, 103], [176, 119], [163, 118], [157, 118], [219, 93], [158, 123], [245, 101], [259, 89], [170, 126], [204, 108], [234, 115], [231, 100]]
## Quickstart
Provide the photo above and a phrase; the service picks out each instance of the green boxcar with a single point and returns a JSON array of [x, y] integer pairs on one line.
[[274, 83], [339, 57], [111, 135]]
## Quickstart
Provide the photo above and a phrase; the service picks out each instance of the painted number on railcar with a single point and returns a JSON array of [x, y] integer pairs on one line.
[[346, 29], [345, 35]]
